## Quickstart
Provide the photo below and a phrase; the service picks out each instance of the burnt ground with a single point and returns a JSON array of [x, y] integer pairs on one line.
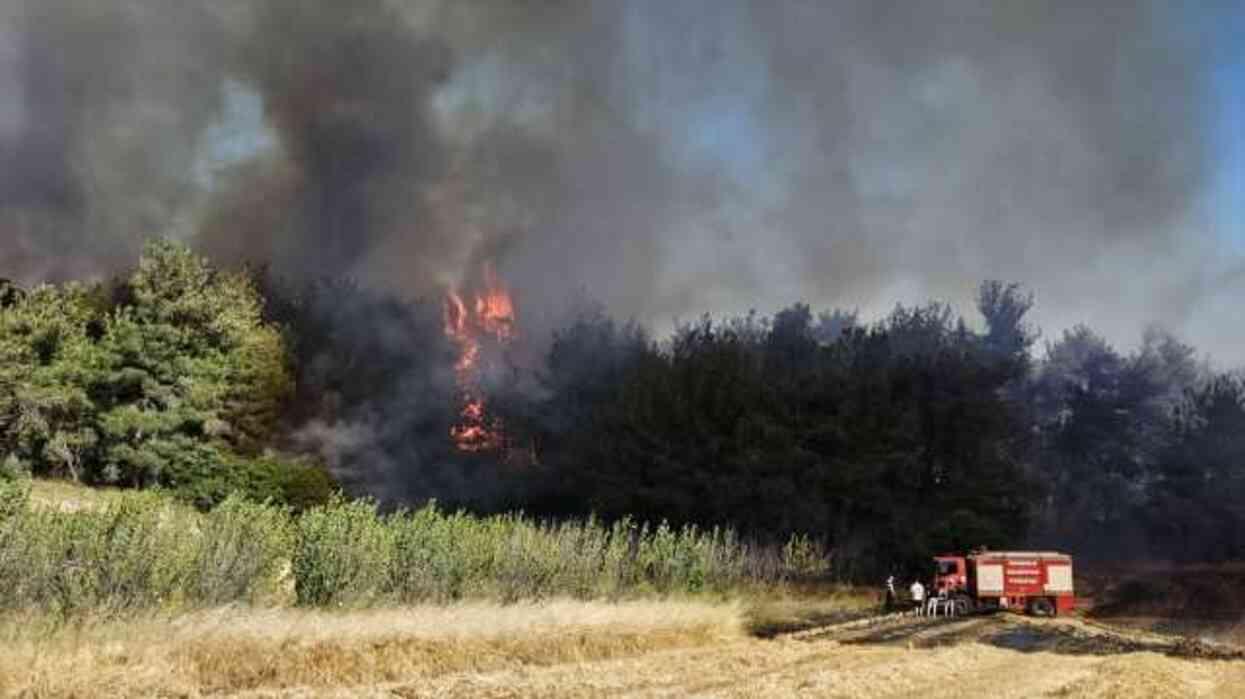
[[1209, 592], [998, 655], [1066, 635]]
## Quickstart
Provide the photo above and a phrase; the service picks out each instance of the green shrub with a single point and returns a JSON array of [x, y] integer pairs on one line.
[[342, 554], [132, 554], [213, 475], [14, 496], [241, 548], [142, 552], [804, 558], [430, 561], [304, 486]]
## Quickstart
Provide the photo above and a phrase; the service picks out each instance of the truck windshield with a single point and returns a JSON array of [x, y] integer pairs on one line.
[[947, 568]]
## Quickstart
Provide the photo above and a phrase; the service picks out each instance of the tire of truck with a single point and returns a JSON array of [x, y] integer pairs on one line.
[[964, 605], [1041, 606]]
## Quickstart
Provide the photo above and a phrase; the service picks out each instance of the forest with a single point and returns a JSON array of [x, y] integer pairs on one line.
[[884, 440]]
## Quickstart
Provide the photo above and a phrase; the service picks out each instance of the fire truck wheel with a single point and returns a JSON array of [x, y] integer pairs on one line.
[[1042, 607], [963, 605]]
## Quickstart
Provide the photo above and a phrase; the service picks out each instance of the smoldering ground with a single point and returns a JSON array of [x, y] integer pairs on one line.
[[665, 158]]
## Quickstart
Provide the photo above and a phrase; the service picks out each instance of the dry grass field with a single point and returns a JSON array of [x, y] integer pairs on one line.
[[584, 649], [1155, 631], [289, 651], [979, 657]]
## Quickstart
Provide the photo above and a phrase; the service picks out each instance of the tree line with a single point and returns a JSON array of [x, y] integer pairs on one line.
[[911, 435], [890, 440]]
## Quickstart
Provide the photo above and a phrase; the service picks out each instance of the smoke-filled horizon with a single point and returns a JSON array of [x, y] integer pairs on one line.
[[663, 158]]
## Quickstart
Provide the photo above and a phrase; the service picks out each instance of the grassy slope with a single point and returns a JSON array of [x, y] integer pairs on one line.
[[68, 496]]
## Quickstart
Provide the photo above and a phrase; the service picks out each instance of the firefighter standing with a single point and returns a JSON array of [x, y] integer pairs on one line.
[[918, 595]]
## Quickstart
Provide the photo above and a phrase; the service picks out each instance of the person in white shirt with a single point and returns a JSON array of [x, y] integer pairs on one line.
[[918, 595]]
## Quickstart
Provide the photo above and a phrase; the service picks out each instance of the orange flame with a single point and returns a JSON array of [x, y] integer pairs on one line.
[[495, 308], [491, 313]]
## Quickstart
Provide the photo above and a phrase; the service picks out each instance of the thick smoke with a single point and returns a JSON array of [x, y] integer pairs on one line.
[[663, 158], [102, 109], [1049, 143], [347, 89], [668, 158]]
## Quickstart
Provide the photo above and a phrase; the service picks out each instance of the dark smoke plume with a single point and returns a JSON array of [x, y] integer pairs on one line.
[[102, 110], [666, 158], [669, 157], [347, 89]]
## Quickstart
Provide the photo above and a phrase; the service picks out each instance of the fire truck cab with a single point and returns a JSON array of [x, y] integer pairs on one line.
[[1036, 582]]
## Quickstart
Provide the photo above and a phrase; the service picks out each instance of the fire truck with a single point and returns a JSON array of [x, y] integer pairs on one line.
[[1036, 582]]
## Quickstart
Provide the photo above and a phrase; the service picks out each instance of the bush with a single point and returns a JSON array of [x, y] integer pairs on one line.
[[432, 558], [295, 483], [14, 496], [143, 551], [130, 555], [804, 559], [241, 549], [342, 554], [304, 486]]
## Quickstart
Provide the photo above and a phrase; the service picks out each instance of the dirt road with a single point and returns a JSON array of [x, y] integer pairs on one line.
[[995, 656]]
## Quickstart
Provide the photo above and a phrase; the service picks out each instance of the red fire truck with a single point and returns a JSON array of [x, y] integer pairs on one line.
[[1037, 582]]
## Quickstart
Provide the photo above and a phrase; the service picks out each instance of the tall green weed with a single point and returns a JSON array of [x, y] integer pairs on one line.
[[342, 554], [142, 551]]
